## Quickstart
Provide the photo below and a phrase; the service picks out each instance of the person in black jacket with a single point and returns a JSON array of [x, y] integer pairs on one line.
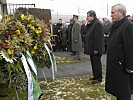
[[94, 45], [119, 71], [58, 33], [63, 36], [69, 36], [83, 31], [107, 25]]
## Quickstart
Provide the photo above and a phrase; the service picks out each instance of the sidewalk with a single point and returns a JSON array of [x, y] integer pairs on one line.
[[66, 70]]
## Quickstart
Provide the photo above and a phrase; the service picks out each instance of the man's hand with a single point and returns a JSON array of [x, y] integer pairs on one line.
[[95, 52], [75, 41], [129, 71], [58, 31]]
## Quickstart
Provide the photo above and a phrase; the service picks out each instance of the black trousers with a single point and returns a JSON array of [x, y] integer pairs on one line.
[[124, 97], [96, 65], [58, 44]]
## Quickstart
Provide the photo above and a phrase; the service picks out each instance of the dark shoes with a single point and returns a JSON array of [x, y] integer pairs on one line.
[[78, 58], [3, 94], [96, 81], [92, 78], [73, 54]]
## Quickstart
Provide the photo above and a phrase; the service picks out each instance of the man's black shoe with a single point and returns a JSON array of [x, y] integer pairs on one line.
[[3, 94], [73, 54], [78, 58], [91, 78], [96, 81]]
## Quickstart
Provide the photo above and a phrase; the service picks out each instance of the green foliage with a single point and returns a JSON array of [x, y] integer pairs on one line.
[[42, 60], [23, 95], [13, 75]]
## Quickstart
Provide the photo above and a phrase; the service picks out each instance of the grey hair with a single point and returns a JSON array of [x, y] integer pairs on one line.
[[121, 8]]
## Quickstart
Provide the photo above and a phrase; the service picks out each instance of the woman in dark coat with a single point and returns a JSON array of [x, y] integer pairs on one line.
[[119, 74]]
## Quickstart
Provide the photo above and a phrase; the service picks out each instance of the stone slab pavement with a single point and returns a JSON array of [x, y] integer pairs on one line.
[[66, 70]]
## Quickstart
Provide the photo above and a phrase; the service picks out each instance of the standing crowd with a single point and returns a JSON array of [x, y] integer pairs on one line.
[[94, 37]]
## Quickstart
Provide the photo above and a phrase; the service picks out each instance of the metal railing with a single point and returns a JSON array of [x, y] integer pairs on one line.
[[10, 8]]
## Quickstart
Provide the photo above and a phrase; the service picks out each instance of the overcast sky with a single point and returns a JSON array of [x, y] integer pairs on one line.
[[79, 7]]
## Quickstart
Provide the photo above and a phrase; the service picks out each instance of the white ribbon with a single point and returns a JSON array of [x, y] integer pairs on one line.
[[28, 74], [30, 61], [53, 65]]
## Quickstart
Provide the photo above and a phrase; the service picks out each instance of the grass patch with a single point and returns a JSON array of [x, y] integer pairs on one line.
[[68, 88], [68, 60], [76, 88], [12, 94]]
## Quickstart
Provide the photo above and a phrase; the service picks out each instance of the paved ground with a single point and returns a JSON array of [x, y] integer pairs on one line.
[[82, 68]]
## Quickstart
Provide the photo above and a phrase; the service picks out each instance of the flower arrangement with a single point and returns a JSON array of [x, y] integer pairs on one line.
[[40, 35], [17, 35], [14, 39]]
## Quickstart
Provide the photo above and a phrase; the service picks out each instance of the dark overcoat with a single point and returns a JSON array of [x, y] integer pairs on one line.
[[107, 27], [94, 37], [76, 38], [58, 41], [119, 58], [83, 32], [63, 35], [69, 37], [58, 30]]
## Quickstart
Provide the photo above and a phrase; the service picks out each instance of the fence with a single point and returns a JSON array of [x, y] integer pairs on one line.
[[10, 9], [14, 9]]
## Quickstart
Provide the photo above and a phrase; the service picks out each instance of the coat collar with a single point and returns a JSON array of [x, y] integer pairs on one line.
[[93, 21], [118, 23]]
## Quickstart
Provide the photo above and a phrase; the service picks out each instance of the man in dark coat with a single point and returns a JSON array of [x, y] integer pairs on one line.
[[94, 44], [63, 36], [58, 33], [83, 30], [69, 35], [119, 72], [107, 25]]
